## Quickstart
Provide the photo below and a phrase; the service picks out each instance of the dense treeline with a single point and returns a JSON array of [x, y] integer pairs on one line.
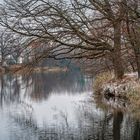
[[97, 30]]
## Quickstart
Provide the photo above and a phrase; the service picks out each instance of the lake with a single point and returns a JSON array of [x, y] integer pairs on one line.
[[59, 106]]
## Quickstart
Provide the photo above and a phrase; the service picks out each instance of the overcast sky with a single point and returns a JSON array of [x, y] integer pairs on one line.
[[1, 1]]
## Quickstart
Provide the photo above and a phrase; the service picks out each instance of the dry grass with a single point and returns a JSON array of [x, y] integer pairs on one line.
[[21, 69], [101, 79], [133, 95], [134, 98], [131, 92]]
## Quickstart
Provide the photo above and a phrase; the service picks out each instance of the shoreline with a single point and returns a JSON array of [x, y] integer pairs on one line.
[[19, 69], [126, 89]]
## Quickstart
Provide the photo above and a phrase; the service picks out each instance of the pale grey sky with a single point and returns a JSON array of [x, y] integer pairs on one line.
[[1, 1]]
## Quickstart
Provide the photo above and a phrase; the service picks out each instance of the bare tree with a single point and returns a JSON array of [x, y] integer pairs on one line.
[[133, 29], [73, 29], [8, 47]]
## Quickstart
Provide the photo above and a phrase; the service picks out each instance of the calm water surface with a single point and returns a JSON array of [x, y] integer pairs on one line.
[[59, 106]]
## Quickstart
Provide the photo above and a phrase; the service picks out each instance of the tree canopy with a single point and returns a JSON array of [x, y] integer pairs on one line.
[[90, 29]]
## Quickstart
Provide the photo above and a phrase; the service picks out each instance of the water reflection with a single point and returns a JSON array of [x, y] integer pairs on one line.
[[59, 107], [117, 121], [39, 86]]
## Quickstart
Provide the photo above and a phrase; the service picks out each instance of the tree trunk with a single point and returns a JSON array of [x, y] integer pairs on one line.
[[118, 65], [116, 54]]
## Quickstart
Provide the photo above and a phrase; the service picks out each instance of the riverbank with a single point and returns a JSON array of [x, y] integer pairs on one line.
[[21, 69], [127, 88]]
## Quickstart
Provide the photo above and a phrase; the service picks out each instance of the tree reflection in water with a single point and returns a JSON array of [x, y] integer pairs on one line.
[[71, 116]]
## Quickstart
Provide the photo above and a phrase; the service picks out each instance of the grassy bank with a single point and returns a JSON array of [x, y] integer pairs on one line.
[[129, 87], [101, 80]]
